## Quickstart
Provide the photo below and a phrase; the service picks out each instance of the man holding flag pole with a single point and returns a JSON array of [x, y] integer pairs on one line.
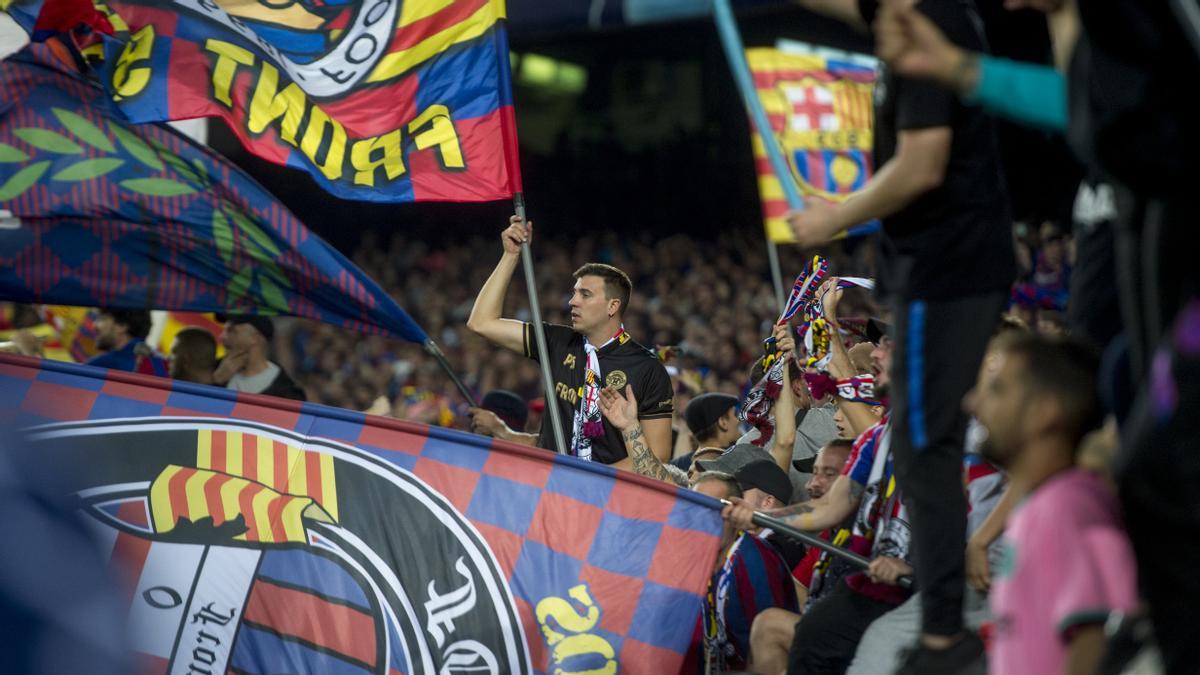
[[593, 353]]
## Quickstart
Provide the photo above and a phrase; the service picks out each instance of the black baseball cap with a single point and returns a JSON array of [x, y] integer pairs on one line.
[[262, 324], [735, 458], [703, 411], [508, 406], [765, 475], [876, 329]]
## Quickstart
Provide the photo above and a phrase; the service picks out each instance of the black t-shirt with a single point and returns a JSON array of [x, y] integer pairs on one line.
[[621, 361], [955, 240]]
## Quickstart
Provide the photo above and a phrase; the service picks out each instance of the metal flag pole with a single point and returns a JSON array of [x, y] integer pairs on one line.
[[735, 54], [560, 439], [776, 273], [433, 350], [763, 520]]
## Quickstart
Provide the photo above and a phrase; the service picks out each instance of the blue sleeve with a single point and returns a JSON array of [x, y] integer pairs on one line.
[[1026, 93]]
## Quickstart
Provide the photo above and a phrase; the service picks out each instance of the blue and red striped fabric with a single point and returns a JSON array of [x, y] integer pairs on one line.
[[759, 580], [594, 559], [108, 214]]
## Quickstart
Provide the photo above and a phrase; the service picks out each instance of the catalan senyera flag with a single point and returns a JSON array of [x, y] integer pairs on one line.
[[820, 111], [253, 534], [381, 100]]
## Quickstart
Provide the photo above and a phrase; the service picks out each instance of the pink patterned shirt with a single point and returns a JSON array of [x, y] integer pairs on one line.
[[1066, 563]]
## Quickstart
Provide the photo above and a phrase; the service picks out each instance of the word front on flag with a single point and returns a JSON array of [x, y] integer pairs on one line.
[[820, 113], [256, 535], [379, 100]]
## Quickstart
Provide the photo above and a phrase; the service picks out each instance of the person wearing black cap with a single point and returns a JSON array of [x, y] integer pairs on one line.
[[246, 338], [502, 414], [767, 486], [712, 420]]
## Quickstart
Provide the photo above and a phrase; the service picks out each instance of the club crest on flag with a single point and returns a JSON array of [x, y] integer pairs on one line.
[[820, 112], [239, 539]]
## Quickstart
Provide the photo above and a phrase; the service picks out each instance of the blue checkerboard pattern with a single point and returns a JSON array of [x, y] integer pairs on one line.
[[643, 551]]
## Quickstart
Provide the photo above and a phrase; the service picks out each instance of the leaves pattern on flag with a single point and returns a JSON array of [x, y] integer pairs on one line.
[[110, 214]]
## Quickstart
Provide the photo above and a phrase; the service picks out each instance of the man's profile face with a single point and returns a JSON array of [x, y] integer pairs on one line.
[[881, 360], [590, 306], [997, 401], [106, 332], [826, 470], [238, 337]]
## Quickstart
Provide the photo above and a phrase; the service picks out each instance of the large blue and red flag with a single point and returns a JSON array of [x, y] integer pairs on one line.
[[383, 100], [258, 535], [98, 212]]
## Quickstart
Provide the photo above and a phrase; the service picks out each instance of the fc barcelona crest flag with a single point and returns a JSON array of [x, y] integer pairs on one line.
[[381, 100], [820, 111], [257, 535]]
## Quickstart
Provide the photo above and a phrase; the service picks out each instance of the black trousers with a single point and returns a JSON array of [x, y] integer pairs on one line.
[[938, 346], [829, 632]]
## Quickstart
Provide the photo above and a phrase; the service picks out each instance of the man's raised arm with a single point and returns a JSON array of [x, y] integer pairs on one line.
[[485, 319]]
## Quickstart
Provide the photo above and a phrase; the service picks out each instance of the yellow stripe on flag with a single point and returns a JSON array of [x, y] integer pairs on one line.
[[162, 519], [297, 475], [197, 504], [328, 486], [262, 522], [293, 522], [204, 449], [233, 453], [415, 10], [230, 492], [779, 231], [398, 63]]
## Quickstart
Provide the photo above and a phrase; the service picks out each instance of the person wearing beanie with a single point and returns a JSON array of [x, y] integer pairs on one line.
[[712, 420], [247, 340]]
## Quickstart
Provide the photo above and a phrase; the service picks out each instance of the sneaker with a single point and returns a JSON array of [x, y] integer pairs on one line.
[[965, 657]]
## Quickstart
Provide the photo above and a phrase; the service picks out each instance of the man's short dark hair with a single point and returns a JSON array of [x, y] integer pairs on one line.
[[197, 347], [617, 285], [840, 444], [734, 488], [1064, 369], [136, 321]]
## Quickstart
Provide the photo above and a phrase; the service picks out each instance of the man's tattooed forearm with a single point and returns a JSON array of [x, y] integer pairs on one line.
[[793, 510], [644, 461]]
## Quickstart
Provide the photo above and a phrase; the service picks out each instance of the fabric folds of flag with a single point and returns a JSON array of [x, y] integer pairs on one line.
[[820, 111], [307, 539], [381, 100], [97, 212]]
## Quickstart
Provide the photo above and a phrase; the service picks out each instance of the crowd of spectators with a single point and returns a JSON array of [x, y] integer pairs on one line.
[[710, 300]]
